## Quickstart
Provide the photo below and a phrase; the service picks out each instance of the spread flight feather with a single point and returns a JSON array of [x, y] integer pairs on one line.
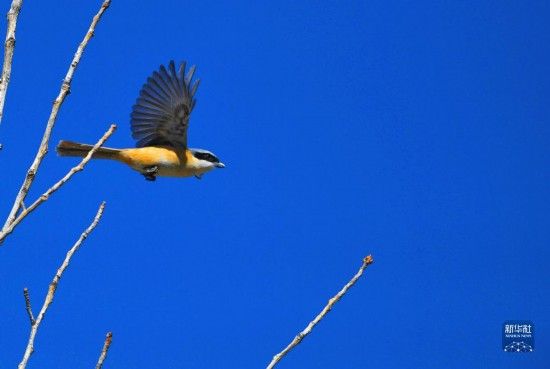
[[161, 113]]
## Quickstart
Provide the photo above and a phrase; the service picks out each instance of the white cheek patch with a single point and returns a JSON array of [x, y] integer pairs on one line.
[[203, 164]]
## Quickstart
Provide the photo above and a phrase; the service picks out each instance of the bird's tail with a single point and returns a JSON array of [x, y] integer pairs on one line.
[[69, 148]]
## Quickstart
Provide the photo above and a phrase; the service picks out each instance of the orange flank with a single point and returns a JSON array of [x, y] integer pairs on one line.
[[150, 156]]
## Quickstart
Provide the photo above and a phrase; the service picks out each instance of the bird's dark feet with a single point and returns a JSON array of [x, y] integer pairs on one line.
[[198, 176], [150, 173]]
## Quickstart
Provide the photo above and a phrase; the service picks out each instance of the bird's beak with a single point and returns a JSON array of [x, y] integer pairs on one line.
[[220, 165]]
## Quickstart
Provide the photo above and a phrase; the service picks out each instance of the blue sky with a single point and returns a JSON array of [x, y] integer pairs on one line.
[[415, 131]]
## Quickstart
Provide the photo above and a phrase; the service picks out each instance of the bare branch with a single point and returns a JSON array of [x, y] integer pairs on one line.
[[106, 346], [65, 89], [46, 195], [366, 262], [53, 286], [9, 47], [28, 305]]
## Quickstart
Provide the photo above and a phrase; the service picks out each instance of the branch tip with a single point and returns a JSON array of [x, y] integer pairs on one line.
[[368, 260], [28, 305], [106, 345]]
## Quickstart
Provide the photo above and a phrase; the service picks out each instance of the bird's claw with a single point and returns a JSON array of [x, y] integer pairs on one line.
[[150, 173]]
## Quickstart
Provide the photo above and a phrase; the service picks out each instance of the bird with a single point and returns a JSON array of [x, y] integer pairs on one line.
[[159, 121]]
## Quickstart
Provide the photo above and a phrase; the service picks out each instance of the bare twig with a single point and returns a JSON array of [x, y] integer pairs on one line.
[[26, 211], [9, 48], [28, 305], [53, 286], [103, 354], [65, 89], [366, 262]]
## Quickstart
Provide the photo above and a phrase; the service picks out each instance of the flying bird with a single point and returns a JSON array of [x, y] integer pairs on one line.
[[159, 122]]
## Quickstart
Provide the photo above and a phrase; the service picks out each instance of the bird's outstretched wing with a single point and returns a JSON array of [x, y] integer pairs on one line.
[[161, 113]]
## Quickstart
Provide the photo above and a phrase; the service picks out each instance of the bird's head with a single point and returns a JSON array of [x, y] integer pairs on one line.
[[206, 159]]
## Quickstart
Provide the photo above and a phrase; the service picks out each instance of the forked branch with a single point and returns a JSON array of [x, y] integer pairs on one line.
[[46, 195], [53, 287], [64, 91]]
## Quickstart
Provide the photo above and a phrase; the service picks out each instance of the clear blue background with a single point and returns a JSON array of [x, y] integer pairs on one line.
[[415, 131]]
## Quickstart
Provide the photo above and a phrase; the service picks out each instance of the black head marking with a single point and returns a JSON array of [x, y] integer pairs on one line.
[[206, 156]]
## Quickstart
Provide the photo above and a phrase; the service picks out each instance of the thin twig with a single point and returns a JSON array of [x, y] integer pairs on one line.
[[9, 47], [103, 354], [53, 286], [28, 305], [366, 262], [65, 89], [46, 195]]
